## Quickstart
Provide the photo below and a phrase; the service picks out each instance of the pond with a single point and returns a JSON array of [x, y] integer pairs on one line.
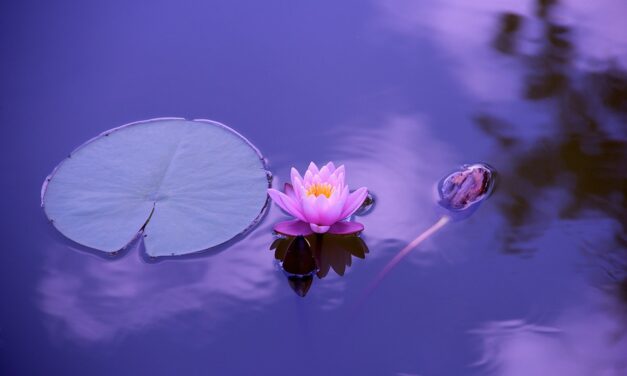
[[401, 93]]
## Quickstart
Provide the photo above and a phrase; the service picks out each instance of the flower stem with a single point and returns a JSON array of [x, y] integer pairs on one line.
[[402, 253]]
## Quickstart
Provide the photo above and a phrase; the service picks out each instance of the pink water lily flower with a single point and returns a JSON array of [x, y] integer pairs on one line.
[[320, 201]]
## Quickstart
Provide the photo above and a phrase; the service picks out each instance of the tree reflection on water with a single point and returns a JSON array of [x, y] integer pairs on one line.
[[580, 160]]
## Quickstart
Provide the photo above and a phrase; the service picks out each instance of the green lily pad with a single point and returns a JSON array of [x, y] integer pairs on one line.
[[187, 185]]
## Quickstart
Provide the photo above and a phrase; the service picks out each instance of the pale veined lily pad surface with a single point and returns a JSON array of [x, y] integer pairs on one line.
[[190, 185]]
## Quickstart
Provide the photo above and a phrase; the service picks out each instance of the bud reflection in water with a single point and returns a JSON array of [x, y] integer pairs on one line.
[[303, 257]]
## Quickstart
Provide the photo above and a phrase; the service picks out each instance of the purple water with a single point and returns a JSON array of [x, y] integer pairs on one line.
[[402, 92]]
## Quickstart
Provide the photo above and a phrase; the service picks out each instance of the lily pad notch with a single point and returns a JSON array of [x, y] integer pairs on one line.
[[186, 185]]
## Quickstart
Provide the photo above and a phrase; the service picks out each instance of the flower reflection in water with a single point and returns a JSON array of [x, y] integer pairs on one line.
[[301, 258]]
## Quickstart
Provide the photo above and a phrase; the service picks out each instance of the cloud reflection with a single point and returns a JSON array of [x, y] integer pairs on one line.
[[401, 162], [578, 344], [92, 299], [464, 32], [461, 30]]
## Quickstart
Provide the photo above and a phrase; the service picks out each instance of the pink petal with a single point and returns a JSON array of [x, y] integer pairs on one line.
[[308, 179], [340, 200], [310, 210], [346, 228], [339, 175], [321, 205], [289, 191], [329, 209], [332, 180], [336, 194], [339, 171], [286, 203], [331, 167], [313, 168], [301, 193], [354, 201], [297, 180], [324, 173], [344, 195], [319, 229], [293, 228]]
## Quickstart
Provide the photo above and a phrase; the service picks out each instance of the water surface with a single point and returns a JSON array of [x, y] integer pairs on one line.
[[401, 92]]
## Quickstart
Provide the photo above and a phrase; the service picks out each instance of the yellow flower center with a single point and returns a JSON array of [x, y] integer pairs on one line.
[[320, 189]]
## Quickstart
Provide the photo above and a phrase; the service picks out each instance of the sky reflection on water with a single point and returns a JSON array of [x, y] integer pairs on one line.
[[582, 341], [465, 31], [401, 92], [83, 292], [93, 299]]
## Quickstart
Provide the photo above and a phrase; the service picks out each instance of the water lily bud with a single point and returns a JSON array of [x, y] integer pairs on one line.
[[466, 187]]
